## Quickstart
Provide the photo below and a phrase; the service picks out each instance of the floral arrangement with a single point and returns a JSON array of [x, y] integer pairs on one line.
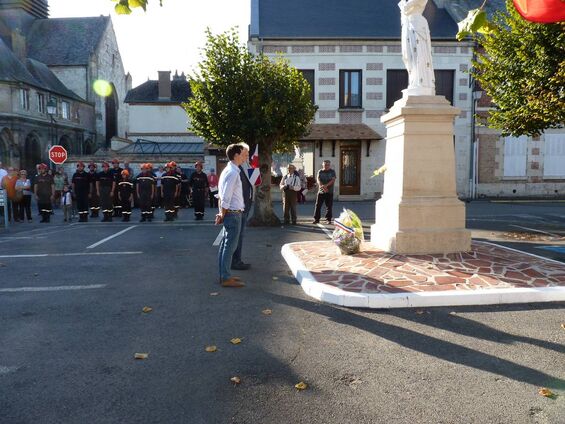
[[348, 233]]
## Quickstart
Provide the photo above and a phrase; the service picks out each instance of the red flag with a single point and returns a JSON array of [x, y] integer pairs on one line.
[[254, 171], [542, 11]]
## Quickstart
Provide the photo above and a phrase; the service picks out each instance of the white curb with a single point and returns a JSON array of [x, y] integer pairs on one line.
[[336, 296]]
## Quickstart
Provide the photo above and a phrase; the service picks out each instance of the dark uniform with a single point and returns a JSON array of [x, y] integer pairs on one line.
[[184, 190], [81, 189], [44, 190], [125, 192], [199, 183], [117, 173], [106, 188], [170, 182], [94, 201], [145, 185]]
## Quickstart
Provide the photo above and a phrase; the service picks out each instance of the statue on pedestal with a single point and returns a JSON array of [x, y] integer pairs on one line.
[[416, 48]]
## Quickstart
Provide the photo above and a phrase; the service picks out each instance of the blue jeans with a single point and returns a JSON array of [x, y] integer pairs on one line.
[[237, 254], [232, 228]]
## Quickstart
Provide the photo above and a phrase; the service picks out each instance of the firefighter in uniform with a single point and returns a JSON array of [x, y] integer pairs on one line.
[[106, 189], [152, 172], [44, 189], [81, 189], [125, 194], [145, 188], [199, 185], [94, 201], [170, 186], [117, 174], [184, 188]]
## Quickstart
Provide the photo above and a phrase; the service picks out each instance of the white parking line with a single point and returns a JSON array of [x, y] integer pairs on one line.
[[92, 246], [54, 288], [45, 255], [219, 238], [7, 370]]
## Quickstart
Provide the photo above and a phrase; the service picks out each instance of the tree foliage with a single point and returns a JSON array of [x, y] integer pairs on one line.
[[521, 66], [125, 7], [241, 97]]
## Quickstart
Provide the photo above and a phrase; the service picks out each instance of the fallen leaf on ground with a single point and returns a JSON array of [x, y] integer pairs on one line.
[[546, 392], [161, 237], [419, 312], [563, 326], [214, 294], [235, 380], [275, 278], [235, 340], [267, 312], [147, 309], [211, 348], [35, 274], [301, 386], [141, 356]]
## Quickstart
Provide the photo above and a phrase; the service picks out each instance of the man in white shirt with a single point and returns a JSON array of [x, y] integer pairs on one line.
[[290, 186], [231, 207]]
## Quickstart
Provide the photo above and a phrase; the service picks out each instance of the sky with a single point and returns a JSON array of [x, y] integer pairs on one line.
[[163, 38]]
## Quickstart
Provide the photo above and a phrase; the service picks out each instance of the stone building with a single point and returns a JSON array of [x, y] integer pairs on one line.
[[54, 62], [351, 54]]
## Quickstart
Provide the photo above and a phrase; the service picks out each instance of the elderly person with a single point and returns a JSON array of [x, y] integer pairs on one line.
[[23, 193], [290, 186], [9, 184]]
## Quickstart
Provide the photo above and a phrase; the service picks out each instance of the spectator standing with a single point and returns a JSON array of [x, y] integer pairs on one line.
[[66, 203], [59, 182], [301, 195], [326, 179], [159, 197], [247, 190], [198, 183], [290, 186], [9, 184], [3, 173], [213, 188], [23, 187]]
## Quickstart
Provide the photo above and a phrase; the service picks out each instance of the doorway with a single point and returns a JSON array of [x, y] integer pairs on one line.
[[350, 170]]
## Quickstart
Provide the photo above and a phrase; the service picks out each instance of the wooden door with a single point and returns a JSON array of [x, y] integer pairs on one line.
[[350, 170]]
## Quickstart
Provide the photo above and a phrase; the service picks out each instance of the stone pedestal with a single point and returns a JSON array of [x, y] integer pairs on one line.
[[419, 212]]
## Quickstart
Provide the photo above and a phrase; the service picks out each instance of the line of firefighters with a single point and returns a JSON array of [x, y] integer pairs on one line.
[[112, 191]]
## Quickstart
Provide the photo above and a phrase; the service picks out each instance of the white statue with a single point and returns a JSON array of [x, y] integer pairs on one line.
[[416, 48]]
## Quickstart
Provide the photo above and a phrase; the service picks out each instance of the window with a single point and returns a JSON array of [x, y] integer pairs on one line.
[[24, 98], [397, 80], [554, 156], [515, 160], [308, 75], [40, 103], [350, 89], [65, 110]]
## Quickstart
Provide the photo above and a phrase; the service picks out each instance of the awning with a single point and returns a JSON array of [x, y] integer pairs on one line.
[[145, 147], [341, 132]]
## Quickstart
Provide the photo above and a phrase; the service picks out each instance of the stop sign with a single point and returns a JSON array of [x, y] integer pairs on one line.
[[57, 155]]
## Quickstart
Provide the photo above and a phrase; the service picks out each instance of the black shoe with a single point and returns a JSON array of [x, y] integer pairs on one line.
[[293, 222], [241, 266], [315, 221], [328, 221], [286, 222], [142, 219]]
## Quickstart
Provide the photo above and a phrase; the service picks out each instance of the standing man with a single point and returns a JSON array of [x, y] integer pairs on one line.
[[290, 186], [231, 209], [81, 189], [159, 198], [170, 186], [125, 193], [326, 180], [117, 174], [44, 190], [94, 200], [145, 187], [105, 190], [198, 183], [247, 190]]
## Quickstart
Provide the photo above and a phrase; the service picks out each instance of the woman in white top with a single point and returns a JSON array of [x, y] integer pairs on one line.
[[23, 194], [290, 186]]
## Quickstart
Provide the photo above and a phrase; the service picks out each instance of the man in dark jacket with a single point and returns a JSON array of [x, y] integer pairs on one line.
[[81, 190], [199, 185], [44, 190], [247, 188]]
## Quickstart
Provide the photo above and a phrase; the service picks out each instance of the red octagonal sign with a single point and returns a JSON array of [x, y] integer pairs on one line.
[[57, 155]]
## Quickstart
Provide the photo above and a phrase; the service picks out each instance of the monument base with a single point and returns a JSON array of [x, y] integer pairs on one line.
[[419, 212]]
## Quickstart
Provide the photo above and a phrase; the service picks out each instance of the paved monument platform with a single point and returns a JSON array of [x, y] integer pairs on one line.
[[487, 274]]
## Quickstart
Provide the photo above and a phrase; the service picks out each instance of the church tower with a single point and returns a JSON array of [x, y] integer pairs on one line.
[[19, 14]]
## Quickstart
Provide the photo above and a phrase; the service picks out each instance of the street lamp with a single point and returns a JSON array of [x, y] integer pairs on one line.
[[51, 111]]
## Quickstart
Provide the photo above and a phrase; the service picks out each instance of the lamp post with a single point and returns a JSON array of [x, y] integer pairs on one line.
[[51, 111]]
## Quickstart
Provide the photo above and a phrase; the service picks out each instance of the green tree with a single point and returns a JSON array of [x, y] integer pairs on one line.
[[241, 97], [521, 66], [125, 7]]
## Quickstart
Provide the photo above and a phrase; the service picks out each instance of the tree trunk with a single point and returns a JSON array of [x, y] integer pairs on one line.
[[263, 213]]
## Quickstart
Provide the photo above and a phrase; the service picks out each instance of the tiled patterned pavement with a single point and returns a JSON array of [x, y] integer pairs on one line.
[[486, 269]]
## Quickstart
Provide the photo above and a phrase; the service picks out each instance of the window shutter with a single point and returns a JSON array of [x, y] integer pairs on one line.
[[554, 155], [515, 157]]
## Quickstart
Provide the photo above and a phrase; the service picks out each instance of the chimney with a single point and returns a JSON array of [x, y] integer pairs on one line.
[[19, 44], [164, 85]]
